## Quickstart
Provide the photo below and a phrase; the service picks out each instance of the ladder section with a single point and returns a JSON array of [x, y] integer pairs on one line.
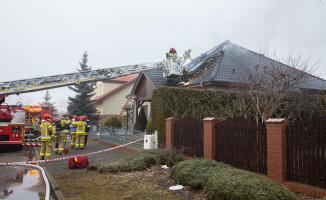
[[48, 82], [124, 107]]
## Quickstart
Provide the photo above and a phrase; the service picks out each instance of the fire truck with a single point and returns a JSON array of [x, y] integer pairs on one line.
[[12, 133], [33, 118], [12, 121]]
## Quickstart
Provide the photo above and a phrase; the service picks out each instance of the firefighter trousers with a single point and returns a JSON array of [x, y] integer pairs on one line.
[[73, 139], [80, 140], [46, 147], [56, 143], [62, 141]]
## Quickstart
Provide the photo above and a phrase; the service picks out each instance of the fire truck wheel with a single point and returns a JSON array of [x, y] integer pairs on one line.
[[19, 147]]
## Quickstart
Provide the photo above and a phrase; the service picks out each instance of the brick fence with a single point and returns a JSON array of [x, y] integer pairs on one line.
[[276, 151]]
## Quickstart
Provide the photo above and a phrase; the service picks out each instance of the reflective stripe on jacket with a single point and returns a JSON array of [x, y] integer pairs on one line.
[[65, 125], [80, 127], [45, 131]]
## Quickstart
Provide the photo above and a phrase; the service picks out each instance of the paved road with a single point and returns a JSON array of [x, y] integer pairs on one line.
[[61, 166]]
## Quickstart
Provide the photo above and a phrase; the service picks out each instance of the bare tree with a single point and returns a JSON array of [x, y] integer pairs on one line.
[[270, 87]]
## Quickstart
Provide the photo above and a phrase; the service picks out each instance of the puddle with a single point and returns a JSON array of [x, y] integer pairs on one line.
[[20, 182]]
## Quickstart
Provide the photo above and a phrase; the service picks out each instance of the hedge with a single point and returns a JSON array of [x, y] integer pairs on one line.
[[222, 181], [181, 102], [201, 103]]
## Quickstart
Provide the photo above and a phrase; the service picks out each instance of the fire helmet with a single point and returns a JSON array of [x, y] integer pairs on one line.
[[81, 117], [75, 117], [85, 117], [54, 120], [46, 117]]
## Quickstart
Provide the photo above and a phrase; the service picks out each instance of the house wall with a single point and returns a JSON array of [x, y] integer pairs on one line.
[[103, 87], [113, 104], [99, 108]]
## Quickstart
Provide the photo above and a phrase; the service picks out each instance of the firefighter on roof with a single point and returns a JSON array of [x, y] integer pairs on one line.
[[46, 132], [186, 54]]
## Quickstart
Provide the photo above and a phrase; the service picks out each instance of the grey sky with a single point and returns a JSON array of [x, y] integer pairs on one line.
[[40, 38]]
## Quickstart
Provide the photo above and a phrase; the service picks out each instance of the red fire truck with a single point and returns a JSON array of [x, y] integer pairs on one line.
[[17, 121], [34, 115], [12, 121]]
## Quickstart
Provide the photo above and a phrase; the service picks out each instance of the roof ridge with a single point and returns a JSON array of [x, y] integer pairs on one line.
[[263, 55]]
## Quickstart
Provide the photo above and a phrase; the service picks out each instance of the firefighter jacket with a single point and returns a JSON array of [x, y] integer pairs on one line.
[[65, 125], [46, 131], [54, 129], [80, 127]]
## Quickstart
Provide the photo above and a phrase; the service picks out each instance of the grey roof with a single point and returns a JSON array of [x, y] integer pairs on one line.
[[156, 76], [233, 62]]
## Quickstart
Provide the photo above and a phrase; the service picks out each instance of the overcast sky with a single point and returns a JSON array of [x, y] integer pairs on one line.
[[41, 38]]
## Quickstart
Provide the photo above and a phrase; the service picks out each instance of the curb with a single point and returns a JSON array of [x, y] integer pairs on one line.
[[53, 185]]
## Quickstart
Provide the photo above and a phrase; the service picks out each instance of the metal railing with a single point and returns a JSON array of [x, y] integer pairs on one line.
[[118, 136]]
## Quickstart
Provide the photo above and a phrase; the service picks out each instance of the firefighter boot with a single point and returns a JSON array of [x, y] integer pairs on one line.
[[42, 158]]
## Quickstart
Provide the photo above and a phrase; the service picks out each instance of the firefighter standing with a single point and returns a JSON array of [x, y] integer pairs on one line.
[[186, 54], [55, 136], [65, 122], [80, 132], [46, 143], [73, 131], [172, 54], [88, 128]]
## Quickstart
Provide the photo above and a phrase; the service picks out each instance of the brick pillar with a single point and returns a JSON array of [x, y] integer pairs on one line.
[[276, 149], [169, 132], [210, 137]]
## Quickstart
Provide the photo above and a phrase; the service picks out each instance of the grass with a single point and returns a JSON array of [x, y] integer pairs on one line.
[[95, 185]]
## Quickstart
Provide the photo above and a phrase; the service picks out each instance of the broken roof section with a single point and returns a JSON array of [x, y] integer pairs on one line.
[[226, 62]]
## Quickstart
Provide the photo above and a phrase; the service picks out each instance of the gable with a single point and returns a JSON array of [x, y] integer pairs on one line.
[[142, 91]]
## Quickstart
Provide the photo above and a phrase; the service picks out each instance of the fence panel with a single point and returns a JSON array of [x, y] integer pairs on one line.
[[306, 152], [188, 136], [242, 143], [118, 136]]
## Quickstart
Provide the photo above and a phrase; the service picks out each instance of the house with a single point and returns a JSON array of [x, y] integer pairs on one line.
[[110, 95], [221, 68]]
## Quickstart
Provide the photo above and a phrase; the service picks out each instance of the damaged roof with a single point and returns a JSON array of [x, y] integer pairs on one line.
[[228, 62]]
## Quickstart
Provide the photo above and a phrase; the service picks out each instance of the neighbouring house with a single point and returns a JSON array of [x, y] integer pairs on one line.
[[111, 95], [220, 68]]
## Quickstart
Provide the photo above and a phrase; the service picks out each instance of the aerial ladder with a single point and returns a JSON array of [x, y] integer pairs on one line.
[[170, 69]]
